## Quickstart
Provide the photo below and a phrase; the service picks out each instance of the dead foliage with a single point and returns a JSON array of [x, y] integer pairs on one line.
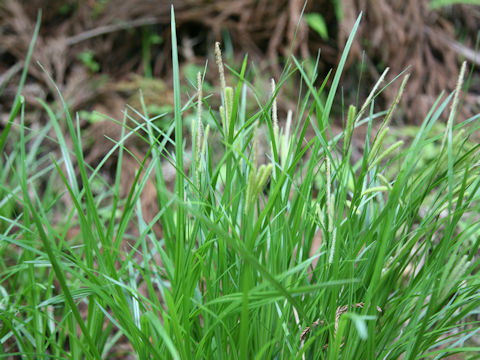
[[401, 34], [338, 313], [395, 33], [113, 32]]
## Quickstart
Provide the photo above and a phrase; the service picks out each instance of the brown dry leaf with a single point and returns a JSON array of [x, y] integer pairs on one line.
[[409, 34], [340, 310]]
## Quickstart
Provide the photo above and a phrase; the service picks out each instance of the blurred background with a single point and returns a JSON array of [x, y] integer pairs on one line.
[[101, 52]]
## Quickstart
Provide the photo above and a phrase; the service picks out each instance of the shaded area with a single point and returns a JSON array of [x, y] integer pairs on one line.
[[89, 46]]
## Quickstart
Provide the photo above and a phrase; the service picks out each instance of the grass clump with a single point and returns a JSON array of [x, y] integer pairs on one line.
[[231, 274]]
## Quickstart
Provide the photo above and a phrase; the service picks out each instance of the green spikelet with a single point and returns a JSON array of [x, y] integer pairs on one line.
[[228, 108], [256, 180], [385, 154], [377, 143], [352, 111]]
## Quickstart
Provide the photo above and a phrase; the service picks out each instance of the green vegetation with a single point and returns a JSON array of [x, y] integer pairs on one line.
[[230, 274], [434, 4], [88, 59], [317, 23]]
